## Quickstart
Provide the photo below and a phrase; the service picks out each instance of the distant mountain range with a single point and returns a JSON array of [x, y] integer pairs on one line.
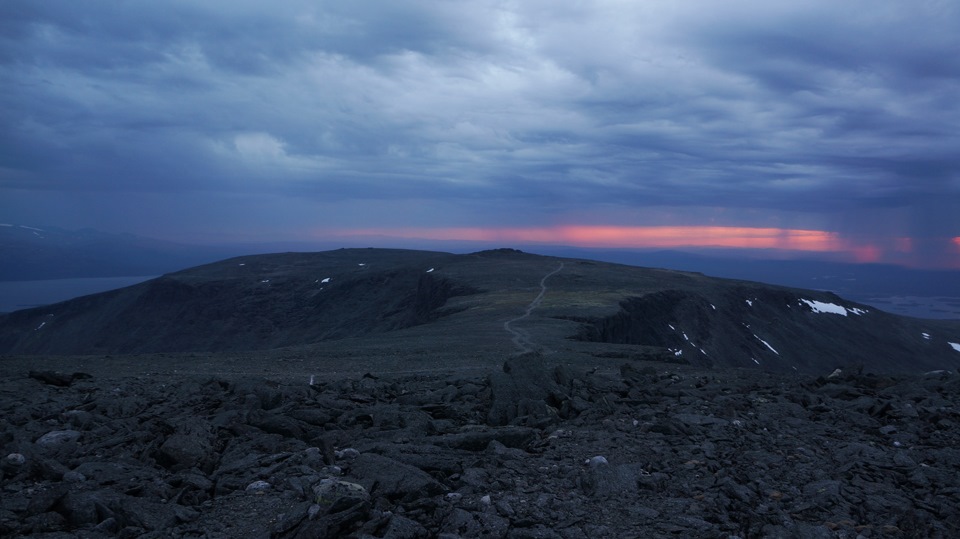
[[498, 302]]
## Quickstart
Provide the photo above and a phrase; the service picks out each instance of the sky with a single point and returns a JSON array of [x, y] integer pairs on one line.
[[815, 127]]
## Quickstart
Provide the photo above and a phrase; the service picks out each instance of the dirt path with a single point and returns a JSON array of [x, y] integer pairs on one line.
[[520, 337]]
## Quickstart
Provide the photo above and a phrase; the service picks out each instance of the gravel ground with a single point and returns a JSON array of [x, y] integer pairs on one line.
[[530, 448]]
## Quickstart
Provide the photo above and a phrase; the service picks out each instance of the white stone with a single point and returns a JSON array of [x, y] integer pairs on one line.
[[258, 486], [598, 460]]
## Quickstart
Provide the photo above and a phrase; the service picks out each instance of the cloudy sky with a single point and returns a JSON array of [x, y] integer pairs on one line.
[[816, 126]]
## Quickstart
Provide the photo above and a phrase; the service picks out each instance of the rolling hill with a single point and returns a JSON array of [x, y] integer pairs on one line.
[[500, 302]]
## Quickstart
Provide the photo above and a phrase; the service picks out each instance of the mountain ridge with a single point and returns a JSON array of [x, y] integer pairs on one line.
[[462, 303]]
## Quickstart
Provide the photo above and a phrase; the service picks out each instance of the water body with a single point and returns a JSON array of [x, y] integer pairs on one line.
[[941, 307], [16, 295]]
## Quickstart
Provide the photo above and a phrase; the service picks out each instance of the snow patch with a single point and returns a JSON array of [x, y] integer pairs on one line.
[[714, 307], [832, 308], [265, 281], [40, 326], [671, 327], [755, 360], [361, 264], [765, 343], [325, 280], [5, 224], [242, 264], [926, 336], [749, 302], [685, 337], [430, 270], [955, 346]]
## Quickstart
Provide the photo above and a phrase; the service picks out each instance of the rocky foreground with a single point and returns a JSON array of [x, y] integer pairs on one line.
[[536, 450]]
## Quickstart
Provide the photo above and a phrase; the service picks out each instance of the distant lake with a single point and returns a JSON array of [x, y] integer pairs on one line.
[[942, 307], [16, 295]]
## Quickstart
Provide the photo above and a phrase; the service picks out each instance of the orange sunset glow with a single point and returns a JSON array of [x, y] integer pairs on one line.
[[665, 237], [627, 236]]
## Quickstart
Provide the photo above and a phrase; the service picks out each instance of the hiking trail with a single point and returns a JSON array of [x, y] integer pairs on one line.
[[521, 337]]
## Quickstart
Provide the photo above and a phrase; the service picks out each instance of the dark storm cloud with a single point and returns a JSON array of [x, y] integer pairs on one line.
[[831, 114]]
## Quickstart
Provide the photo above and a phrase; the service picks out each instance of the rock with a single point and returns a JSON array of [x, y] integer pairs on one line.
[[347, 454], [400, 527], [598, 460], [334, 496], [108, 473], [461, 524], [275, 423], [685, 453], [475, 438], [58, 438], [311, 416], [503, 452], [521, 390], [84, 508], [292, 518], [44, 523], [192, 480], [148, 514], [44, 499], [184, 451], [109, 526], [258, 486], [12, 464], [700, 420], [386, 477], [74, 477], [58, 379]]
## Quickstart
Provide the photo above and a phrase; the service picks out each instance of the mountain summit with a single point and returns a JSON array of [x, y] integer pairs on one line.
[[500, 301]]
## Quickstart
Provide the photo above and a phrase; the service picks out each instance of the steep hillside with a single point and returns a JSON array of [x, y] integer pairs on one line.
[[241, 304], [502, 302], [777, 329]]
